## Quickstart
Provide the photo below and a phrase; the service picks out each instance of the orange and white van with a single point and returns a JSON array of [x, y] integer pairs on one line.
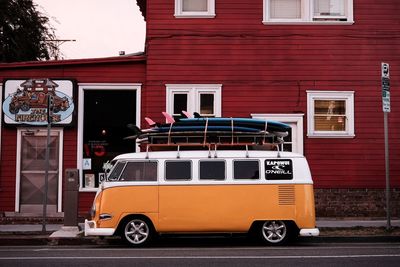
[[269, 193]]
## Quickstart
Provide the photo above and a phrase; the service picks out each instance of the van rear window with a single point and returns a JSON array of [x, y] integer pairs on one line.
[[278, 169], [246, 169]]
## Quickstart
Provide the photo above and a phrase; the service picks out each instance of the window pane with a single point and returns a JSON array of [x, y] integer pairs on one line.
[[140, 171], [330, 115], [212, 170], [114, 175], [180, 103], [194, 5], [207, 104], [285, 9], [178, 170], [329, 7], [248, 169]]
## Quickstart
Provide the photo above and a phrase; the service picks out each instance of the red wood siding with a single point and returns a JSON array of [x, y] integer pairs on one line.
[[112, 70], [268, 68]]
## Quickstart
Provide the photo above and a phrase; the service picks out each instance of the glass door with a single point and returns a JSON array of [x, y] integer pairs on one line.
[[32, 170]]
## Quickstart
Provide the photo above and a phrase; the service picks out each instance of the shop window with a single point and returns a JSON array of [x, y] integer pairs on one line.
[[308, 11], [330, 114], [104, 113], [246, 169], [195, 8], [203, 99]]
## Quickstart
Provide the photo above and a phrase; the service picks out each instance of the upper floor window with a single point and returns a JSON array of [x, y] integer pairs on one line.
[[308, 11], [330, 113], [204, 99], [195, 8]]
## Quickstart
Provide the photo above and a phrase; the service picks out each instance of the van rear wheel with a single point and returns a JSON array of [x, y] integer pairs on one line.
[[274, 232], [137, 232]]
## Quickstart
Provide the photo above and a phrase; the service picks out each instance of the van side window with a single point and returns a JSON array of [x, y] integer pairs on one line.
[[178, 170], [145, 171], [116, 172], [278, 169], [212, 170], [246, 169]]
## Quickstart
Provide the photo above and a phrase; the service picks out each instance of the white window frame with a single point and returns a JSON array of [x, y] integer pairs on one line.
[[179, 13], [294, 120], [307, 16], [193, 92], [347, 96], [82, 87]]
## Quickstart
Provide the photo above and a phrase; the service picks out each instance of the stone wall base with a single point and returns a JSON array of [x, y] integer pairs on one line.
[[355, 203]]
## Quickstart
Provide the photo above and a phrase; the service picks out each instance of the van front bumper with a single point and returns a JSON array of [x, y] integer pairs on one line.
[[92, 230], [309, 232]]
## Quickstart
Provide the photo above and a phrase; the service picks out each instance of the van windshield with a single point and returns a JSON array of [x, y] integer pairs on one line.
[[116, 171]]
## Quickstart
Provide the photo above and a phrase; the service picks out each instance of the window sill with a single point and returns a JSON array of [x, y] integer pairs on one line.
[[194, 16], [330, 135], [308, 22], [88, 190]]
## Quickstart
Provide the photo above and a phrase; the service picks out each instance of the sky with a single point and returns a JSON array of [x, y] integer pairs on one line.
[[101, 28]]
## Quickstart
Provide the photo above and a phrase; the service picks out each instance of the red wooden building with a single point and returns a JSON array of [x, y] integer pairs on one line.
[[315, 64]]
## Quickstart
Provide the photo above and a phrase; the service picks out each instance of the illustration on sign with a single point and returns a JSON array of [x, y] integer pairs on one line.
[[27, 101]]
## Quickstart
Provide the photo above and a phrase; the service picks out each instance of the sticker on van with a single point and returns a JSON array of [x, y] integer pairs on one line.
[[278, 169]]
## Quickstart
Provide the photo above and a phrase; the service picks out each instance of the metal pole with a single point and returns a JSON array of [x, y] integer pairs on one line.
[[385, 125], [46, 176]]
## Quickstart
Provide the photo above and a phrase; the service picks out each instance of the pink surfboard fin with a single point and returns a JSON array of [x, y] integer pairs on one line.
[[187, 114], [150, 121], [168, 117]]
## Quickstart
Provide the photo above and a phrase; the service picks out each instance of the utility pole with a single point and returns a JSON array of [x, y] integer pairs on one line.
[[50, 105]]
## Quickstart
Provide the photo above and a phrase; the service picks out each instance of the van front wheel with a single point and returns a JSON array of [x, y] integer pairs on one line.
[[274, 232], [137, 232]]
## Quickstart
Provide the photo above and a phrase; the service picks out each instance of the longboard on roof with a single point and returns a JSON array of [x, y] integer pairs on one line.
[[210, 127]]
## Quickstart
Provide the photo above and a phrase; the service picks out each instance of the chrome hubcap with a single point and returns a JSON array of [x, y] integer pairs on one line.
[[274, 231], [137, 231]]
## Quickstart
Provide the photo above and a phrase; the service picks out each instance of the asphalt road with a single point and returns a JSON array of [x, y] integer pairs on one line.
[[212, 254]]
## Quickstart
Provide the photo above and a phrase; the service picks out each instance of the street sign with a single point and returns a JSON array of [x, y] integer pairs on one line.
[[385, 70], [386, 101], [385, 74]]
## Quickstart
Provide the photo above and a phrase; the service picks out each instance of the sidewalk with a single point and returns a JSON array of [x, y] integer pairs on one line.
[[332, 230]]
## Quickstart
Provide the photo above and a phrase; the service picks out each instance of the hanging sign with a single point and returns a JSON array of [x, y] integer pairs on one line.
[[25, 101]]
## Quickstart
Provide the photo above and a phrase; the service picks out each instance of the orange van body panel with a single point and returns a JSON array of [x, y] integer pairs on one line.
[[207, 208], [125, 200]]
